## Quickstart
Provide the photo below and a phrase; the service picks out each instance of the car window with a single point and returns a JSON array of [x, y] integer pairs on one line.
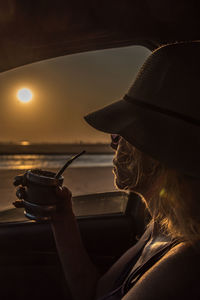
[[41, 115]]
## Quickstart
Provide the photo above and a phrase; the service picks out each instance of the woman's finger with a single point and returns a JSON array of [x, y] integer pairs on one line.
[[21, 193], [63, 192]]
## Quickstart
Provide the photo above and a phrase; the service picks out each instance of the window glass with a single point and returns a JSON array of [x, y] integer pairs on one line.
[[41, 114]]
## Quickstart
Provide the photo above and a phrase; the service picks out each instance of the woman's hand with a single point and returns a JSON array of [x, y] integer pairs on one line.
[[64, 196]]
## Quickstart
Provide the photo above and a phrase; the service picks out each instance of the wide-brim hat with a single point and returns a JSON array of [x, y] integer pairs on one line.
[[160, 114]]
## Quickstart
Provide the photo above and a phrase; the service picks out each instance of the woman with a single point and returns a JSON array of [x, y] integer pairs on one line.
[[157, 142]]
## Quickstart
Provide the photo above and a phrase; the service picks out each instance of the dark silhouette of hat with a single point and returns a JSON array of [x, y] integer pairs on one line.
[[160, 114]]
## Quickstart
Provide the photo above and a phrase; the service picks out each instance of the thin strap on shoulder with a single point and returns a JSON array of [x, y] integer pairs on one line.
[[131, 263], [140, 270]]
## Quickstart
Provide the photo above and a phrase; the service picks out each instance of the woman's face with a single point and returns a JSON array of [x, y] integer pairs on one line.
[[121, 162], [133, 169]]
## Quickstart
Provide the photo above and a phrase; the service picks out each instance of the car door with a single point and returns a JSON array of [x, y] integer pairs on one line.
[[28, 256]]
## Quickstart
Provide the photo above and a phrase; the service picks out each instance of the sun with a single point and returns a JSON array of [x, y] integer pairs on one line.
[[24, 95]]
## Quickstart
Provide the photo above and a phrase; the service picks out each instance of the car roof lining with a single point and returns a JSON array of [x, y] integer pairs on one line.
[[36, 30]]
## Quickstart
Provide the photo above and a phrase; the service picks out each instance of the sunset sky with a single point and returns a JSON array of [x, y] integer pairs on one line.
[[64, 90]]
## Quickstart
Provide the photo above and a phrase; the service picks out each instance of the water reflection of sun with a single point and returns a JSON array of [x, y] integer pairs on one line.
[[24, 143]]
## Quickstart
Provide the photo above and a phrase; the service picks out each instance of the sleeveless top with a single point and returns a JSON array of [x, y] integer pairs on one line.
[[128, 279]]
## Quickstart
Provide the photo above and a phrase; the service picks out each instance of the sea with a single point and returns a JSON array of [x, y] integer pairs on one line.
[[52, 161], [90, 173]]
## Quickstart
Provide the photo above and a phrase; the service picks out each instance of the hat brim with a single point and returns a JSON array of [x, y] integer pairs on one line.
[[112, 118], [168, 139]]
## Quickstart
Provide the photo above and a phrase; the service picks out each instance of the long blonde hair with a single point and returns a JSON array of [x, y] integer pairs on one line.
[[172, 197], [176, 206]]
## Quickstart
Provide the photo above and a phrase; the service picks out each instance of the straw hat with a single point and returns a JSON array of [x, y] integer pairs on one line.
[[160, 114]]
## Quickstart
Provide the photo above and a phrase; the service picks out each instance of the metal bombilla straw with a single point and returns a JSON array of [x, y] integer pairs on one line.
[[61, 171]]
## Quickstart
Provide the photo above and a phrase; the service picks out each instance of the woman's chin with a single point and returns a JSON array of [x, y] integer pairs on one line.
[[122, 180], [122, 185], [119, 185]]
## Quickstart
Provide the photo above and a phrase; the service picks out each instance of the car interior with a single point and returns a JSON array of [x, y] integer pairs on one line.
[[28, 247], [33, 31]]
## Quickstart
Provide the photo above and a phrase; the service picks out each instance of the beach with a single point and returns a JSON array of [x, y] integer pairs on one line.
[[79, 180]]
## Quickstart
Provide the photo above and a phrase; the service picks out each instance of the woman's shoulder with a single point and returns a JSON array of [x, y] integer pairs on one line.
[[107, 281], [174, 276], [183, 257]]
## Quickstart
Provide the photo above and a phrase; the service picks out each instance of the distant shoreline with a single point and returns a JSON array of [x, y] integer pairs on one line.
[[6, 149]]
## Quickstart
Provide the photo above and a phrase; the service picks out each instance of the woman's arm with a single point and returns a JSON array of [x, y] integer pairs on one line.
[[107, 281], [81, 275]]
